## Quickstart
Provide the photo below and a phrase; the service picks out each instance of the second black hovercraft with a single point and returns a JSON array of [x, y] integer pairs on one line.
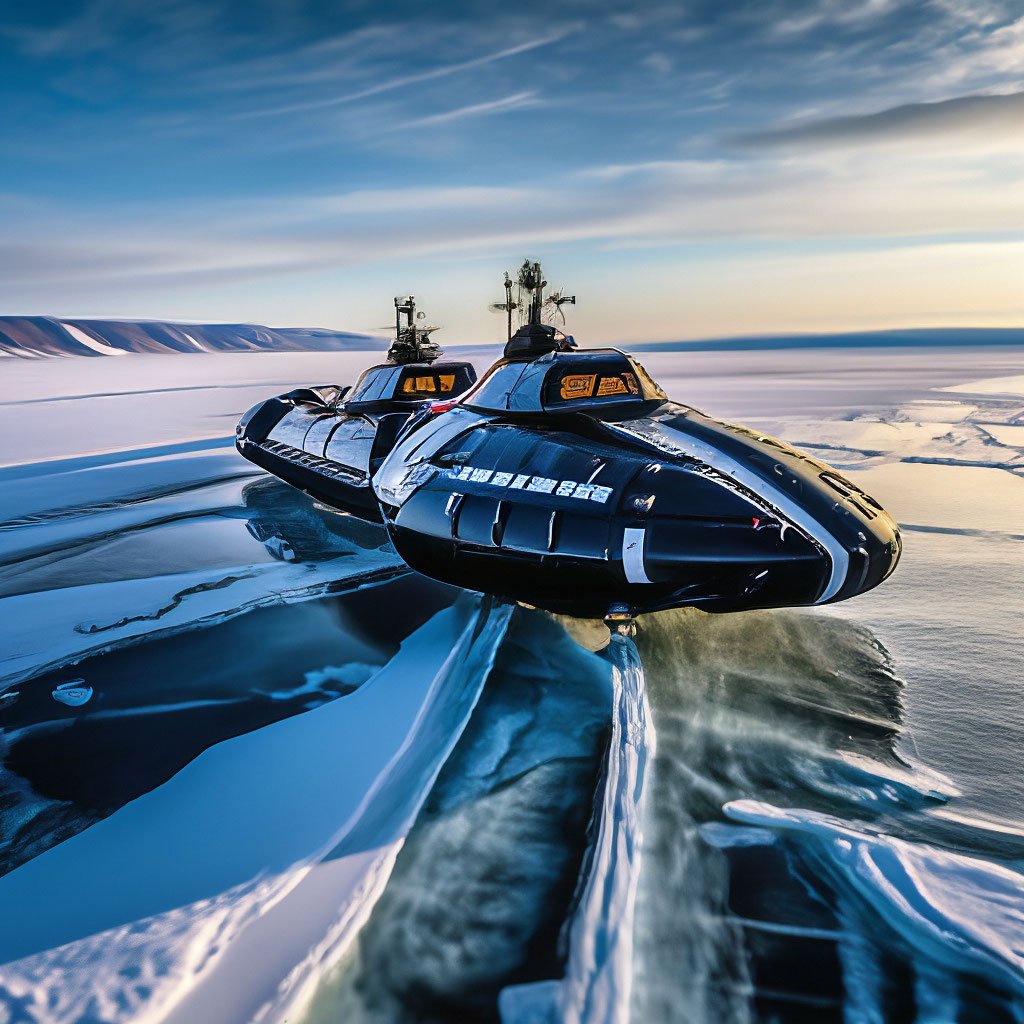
[[566, 479]]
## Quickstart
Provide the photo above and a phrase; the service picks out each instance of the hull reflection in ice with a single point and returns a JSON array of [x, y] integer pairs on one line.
[[157, 705]]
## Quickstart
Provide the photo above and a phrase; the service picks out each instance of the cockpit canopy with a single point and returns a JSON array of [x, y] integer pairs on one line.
[[413, 382], [599, 381]]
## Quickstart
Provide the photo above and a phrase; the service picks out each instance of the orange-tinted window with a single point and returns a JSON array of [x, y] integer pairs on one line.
[[601, 378], [581, 385], [419, 385], [611, 386], [447, 381], [577, 385]]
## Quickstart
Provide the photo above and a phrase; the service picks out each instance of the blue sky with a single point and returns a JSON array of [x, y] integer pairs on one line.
[[687, 169]]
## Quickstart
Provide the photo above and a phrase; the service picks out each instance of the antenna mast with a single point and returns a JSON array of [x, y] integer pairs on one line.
[[532, 280], [530, 285], [412, 344], [509, 305]]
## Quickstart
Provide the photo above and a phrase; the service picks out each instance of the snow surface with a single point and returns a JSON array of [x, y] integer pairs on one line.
[[97, 346], [992, 386], [362, 764], [166, 906]]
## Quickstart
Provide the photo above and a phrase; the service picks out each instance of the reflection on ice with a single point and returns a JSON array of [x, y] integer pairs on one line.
[[74, 693], [353, 771], [960, 918], [487, 877], [599, 975], [157, 705], [185, 830], [761, 711], [57, 609]]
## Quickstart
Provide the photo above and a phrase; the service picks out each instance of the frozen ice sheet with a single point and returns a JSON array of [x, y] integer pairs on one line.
[[46, 629], [992, 386], [251, 904]]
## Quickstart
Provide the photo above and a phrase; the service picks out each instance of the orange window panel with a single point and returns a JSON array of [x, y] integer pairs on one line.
[[611, 386], [414, 385], [578, 385]]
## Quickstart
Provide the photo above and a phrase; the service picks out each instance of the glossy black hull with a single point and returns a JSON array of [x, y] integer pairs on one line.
[[575, 512], [670, 530], [322, 480]]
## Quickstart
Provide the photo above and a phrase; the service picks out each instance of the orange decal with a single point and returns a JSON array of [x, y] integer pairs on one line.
[[611, 386], [578, 385]]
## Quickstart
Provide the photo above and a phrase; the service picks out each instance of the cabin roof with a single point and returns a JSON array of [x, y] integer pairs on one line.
[[592, 380], [411, 382]]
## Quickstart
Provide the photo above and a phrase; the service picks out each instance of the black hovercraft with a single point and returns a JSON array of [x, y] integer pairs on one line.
[[566, 479], [328, 440]]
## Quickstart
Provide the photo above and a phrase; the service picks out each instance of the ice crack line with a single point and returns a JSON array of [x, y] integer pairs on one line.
[[199, 588]]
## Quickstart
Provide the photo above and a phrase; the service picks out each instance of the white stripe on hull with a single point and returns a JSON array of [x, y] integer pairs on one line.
[[633, 554], [671, 440]]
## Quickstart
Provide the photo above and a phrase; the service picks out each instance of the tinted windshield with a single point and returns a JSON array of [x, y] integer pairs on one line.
[[411, 383], [496, 386], [374, 384]]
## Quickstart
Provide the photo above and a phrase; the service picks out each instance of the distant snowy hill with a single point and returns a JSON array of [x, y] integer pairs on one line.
[[34, 336]]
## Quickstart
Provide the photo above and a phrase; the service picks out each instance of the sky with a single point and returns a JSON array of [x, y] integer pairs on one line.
[[688, 170]]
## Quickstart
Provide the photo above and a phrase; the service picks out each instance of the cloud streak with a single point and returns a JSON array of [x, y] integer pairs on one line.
[[997, 117], [216, 143], [655, 204], [404, 81], [507, 103]]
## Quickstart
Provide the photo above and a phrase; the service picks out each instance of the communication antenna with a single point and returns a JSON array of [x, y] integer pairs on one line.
[[412, 342], [529, 300], [556, 300], [507, 306], [531, 281]]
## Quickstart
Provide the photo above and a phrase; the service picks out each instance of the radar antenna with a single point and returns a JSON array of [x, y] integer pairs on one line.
[[556, 300], [531, 281], [412, 343], [529, 299]]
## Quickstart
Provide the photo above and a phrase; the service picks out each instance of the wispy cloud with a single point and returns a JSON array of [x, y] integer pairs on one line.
[[983, 53], [691, 169], [404, 81], [998, 116], [213, 148], [825, 13], [507, 103], [684, 202]]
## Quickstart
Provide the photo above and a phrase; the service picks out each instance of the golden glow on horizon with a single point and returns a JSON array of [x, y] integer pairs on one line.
[[954, 285], [957, 285]]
